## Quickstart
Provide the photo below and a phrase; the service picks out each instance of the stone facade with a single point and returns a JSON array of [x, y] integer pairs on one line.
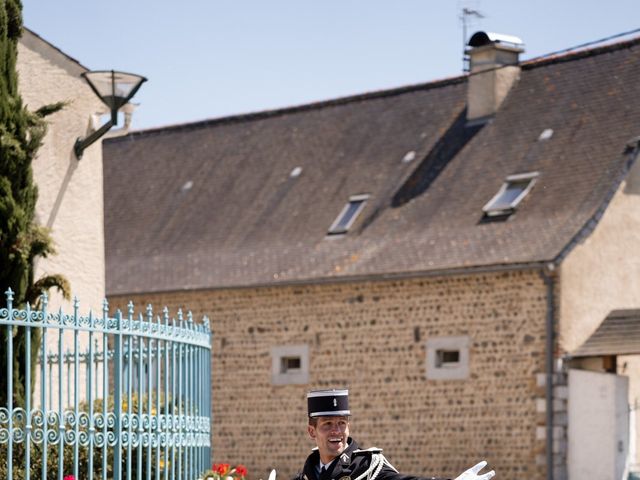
[[371, 337], [70, 197]]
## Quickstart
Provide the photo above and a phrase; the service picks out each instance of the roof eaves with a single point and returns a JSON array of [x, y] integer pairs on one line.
[[632, 151], [32, 37], [442, 272], [617, 334]]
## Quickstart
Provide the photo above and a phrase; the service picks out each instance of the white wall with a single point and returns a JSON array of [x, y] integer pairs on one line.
[[601, 274], [70, 198]]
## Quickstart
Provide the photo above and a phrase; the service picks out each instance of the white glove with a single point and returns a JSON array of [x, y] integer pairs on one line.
[[472, 473]]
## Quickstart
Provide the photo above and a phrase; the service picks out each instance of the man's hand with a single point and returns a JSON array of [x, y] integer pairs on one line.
[[472, 473]]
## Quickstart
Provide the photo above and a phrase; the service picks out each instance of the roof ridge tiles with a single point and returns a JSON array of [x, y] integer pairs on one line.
[[51, 45], [572, 55], [294, 109], [276, 112]]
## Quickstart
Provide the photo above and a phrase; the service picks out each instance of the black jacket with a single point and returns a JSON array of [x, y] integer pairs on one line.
[[351, 464]]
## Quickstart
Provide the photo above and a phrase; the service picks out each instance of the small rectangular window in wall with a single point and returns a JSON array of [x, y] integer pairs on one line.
[[448, 358], [290, 364]]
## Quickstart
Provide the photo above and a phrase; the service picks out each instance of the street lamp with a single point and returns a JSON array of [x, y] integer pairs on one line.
[[115, 89]]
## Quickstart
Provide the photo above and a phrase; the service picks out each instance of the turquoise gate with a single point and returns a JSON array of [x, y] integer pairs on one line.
[[122, 397]]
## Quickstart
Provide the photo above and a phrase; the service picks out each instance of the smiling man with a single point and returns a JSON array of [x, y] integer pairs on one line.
[[337, 456]]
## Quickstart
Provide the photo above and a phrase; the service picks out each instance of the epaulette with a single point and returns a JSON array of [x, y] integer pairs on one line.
[[367, 451]]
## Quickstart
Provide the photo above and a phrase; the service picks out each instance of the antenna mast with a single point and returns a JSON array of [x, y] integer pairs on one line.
[[466, 18]]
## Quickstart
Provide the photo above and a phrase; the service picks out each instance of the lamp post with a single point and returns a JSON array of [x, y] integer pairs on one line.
[[115, 89]]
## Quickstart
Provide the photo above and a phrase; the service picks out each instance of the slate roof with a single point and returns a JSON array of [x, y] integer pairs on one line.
[[244, 221], [618, 334]]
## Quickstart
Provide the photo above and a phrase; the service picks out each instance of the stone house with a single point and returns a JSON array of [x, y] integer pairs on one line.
[[70, 191], [70, 198], [444, 250]]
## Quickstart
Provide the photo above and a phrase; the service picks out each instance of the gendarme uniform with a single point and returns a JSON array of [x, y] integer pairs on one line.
[[354, 463]]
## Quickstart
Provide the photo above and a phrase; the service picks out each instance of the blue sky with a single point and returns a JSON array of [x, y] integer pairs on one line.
[[212, 58]]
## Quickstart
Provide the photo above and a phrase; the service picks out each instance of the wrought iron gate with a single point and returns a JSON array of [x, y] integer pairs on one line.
[[122, 397]]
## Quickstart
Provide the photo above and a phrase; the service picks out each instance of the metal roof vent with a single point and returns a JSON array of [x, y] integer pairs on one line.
[[410, 156], [546, 134], [480, 39]]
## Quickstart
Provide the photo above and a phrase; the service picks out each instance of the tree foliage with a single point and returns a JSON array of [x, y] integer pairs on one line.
[[22, 240]]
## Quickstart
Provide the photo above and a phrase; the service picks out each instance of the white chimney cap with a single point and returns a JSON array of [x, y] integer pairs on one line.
[[479, 39]]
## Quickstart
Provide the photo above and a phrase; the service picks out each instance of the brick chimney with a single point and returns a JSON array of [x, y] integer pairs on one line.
[[493, 71]]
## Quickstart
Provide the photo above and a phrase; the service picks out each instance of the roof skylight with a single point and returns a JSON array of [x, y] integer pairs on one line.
[[511, 193], [348, 214]]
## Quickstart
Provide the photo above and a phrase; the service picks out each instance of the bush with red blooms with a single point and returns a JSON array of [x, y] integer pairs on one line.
[[223, 471]]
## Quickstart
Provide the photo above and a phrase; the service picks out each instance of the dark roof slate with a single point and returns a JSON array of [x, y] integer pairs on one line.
[[245, 221], [618, 334]]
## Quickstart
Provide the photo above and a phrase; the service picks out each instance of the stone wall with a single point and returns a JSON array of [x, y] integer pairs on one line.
[[70, 200], [371, 337]]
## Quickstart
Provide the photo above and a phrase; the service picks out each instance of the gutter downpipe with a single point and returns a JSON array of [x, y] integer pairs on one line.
[[547, 276]]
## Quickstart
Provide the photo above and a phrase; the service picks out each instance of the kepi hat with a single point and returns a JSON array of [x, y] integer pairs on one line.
[[328, 403]]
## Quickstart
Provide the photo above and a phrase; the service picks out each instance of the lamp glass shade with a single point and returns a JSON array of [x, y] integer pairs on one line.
[[114, 88]]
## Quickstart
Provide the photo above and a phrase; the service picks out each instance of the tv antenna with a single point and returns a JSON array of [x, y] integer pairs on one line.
[[467, 16]]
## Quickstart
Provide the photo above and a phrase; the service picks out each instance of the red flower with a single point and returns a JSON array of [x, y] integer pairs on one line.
[[69, 477], [241, 470], [221, 468]]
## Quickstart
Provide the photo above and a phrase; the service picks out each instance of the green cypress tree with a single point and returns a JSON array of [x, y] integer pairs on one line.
[[21, 239]]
